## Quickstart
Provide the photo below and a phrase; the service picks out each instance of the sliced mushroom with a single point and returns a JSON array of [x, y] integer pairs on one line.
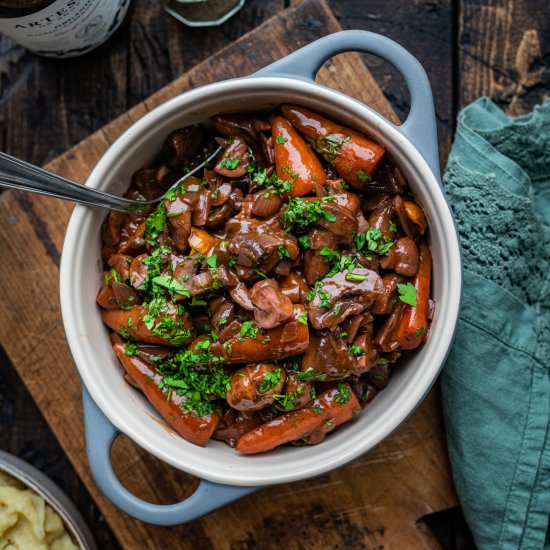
[[273, 308]]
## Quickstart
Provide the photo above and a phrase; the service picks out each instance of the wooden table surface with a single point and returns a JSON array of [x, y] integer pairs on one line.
[[497, 48]]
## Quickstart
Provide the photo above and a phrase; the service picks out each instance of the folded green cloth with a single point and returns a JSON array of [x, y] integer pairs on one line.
[[496, 382]]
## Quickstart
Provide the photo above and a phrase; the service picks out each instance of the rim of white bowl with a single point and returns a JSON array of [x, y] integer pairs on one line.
[[317, 459]]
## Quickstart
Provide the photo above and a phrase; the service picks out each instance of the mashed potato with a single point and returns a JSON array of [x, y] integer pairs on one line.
[[27, 522]]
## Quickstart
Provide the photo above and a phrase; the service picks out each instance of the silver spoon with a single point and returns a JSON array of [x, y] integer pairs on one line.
[[18, 174]]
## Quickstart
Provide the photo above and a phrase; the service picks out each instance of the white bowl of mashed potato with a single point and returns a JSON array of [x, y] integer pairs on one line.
[[34, 512]]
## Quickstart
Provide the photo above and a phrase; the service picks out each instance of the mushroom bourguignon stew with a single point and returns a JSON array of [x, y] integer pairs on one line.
[[267, 298]]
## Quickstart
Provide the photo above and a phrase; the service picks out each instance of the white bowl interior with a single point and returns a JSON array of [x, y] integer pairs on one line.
[[88, 338]]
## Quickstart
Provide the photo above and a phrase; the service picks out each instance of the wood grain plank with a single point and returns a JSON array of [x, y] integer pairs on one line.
[[427, 29], [504, 52], [375, 500], [49, 105]]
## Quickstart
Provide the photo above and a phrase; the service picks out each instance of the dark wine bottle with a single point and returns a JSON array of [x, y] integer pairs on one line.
[[61, 28]]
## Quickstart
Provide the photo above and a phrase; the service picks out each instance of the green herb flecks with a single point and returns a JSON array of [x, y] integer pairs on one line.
[[200, 388], [303, 213], [371, 241], [356, 350], [407, 293], [329, 146], [355, 277], [329, 255], [362, 175], [229, 163], [130, 349], [310, 374], [343, 394], [154, 225], [270, 380], [171, 284], [272, 182], [282, 252], [304, 241], [249, 329]]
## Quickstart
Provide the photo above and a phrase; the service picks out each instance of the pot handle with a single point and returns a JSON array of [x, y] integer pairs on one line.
[[100, 435], [419, 127]]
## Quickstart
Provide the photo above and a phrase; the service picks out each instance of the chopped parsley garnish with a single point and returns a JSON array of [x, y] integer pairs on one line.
[[172, 330], [343, 394], [317, 409], [329, 254], [324, 297], [212, 261], [420, 332], [362, 175], [407, 293], [171, 284], [154, 225], [303, 213], [280, 140], [304, 241], [229, 163], [156, 307], [200, 388], [355, 277], [283, 252], [173, 191], [232, 262], [310, 374], [302, 318], [130, 349], [288, 400], [111, 275], [345, 262], [356, 350], [329, 146], [261, 178], [370, 241], [249, 329], [271, 379]]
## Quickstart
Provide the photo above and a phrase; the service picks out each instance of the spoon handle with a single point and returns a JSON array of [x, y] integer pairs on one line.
[[17, 174]]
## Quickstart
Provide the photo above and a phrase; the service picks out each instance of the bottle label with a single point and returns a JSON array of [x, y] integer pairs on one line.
[[66, 28]]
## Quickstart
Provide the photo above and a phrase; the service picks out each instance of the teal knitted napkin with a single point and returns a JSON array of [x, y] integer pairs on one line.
[[496, 382]]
